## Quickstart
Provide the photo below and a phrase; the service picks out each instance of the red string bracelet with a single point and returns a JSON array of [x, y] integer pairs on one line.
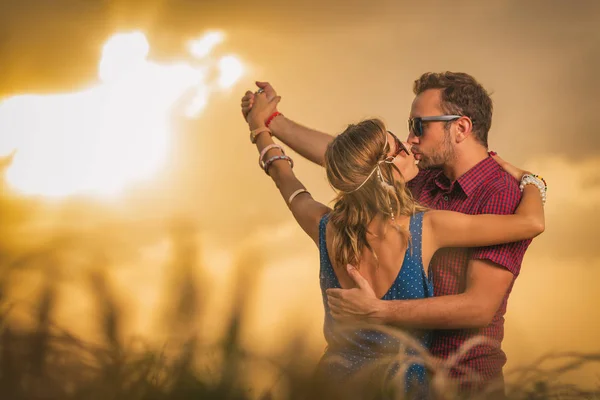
[[276, 113]]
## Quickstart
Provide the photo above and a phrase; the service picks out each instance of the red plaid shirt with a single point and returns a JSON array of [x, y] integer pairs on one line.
[[485, 189]]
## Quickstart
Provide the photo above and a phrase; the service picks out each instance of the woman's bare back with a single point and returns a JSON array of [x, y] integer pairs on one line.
[[389, 244]]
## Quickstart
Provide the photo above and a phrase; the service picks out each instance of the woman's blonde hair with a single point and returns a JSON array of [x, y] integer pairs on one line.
[[350, 161]]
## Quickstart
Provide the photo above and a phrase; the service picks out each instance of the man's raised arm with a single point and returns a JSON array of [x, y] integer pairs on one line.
[[309, 143]]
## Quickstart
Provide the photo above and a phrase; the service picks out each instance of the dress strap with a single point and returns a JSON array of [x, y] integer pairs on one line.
[[416, 237], [322, 226], [323, 242]]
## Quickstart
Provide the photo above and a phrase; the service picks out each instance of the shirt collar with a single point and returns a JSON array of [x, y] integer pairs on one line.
[[470, 180]]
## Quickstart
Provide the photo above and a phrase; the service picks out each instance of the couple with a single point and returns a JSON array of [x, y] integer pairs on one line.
[[416, 247]]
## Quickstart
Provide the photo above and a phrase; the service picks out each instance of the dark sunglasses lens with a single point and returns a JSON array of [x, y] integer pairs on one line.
[[415, 126]]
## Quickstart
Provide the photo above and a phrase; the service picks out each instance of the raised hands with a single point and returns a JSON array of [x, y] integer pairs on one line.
[[249, 98]]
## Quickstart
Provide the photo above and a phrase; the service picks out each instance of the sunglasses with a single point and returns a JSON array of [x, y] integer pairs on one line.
[[415, 125], [399, 147]]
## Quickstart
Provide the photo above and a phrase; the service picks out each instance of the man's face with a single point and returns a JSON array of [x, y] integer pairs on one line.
[[434, 148]]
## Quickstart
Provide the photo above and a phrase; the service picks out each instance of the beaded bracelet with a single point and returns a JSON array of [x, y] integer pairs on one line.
[[535, 180], [530, 179], [265, 150], [542, 179], [276, 113], [275, 158]]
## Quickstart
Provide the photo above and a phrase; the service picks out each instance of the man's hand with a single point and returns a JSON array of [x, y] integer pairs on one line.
[[248, 99], [353, 305]]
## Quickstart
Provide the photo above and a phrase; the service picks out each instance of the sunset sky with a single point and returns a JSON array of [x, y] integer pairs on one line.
[[333, 63]]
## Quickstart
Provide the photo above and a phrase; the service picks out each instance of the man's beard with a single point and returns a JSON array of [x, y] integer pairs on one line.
[[439, 158]]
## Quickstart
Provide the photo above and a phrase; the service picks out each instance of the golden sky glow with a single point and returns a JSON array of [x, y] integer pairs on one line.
[[99, 140]]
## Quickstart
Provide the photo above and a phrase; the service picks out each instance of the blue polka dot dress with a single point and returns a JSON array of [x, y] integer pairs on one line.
[[351, 351]]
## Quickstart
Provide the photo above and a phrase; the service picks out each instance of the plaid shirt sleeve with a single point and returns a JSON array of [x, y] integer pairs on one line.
[[510, 255]]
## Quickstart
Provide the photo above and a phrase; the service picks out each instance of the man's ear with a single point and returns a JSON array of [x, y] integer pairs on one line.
[[464, 129]]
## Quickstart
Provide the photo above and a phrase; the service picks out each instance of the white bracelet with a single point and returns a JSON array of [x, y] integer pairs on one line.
[[532, 180], [296, 193]]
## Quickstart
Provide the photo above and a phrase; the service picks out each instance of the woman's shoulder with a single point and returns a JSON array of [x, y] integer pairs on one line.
[[418, 215]]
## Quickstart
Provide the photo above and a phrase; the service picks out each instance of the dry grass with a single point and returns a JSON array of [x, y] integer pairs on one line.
[[49, 363]]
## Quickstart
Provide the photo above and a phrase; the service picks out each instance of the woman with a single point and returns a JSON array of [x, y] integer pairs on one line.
[[376, 226]]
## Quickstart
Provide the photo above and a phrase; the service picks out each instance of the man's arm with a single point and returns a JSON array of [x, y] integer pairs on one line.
[[489, 275], [487, 284], [309, 143]]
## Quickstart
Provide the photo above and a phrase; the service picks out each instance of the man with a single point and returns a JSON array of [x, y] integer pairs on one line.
[[449, 123]]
